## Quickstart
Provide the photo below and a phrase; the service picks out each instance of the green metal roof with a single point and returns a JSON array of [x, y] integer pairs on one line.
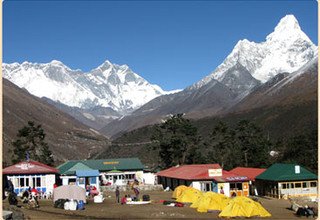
[[286, 172], [120, 164]]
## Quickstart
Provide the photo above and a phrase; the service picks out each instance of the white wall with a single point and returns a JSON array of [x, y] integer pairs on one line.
[[149, 178], [196, 185], [50, 180]]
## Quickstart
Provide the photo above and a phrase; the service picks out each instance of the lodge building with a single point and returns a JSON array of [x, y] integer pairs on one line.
[[31, 174], [287, 181], [204, 177]]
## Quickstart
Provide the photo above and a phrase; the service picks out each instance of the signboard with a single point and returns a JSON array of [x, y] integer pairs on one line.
[[214, 172], [111, 162], [25, 166], [237, 178]]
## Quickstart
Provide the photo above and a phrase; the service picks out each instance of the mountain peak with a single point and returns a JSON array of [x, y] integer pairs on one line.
[[56, 62], [288, 22], [287, 29]]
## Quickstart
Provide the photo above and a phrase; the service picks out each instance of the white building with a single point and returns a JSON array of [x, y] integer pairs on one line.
[[31, 174]]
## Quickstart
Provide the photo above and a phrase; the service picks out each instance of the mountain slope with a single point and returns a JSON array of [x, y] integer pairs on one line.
[[67, 138], [248, 66], [284, 89]]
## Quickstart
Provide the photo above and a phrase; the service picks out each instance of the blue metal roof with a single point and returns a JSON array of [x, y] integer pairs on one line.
[[85, 173]]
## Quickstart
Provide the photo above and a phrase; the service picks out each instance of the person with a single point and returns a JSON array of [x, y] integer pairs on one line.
[[34, 192], [124, 200], [136, 192], [34, 196], [129, 198], [88, 188], [25, 196], [118, 195], [221, 190], [94, 192]]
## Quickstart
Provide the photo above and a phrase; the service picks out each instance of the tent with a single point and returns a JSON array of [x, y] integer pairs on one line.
[[189, 195], [69, 192], [241, 206], [178, 190], [211, 201]]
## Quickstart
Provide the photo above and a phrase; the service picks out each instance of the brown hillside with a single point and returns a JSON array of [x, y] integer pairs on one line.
[[67, 138]]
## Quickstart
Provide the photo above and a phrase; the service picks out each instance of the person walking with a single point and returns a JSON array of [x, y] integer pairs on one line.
[[117, 194], [221, 190]]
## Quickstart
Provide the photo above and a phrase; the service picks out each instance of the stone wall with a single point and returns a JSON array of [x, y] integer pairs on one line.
[[108, 189]]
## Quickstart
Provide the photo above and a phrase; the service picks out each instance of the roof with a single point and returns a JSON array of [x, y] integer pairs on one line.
[[200, 172], [31, 167], [121, 164], [286, 172], [84, 173], [249, 172]]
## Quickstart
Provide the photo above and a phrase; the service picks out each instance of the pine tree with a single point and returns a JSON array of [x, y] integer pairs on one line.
[[177, 139], [30, 143]]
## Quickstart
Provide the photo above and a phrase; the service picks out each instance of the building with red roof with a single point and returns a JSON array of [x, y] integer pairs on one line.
[[205, 177], [31, 174], [251, 173]]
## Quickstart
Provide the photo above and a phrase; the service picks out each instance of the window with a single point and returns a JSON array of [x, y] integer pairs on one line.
[[38, 183], [208, 187], [313, 184], [291, 185], [305, 184], [22, 182], [297, 185], [81, 180], [284, 185], [27, 181], [93, 180], [237, 186]]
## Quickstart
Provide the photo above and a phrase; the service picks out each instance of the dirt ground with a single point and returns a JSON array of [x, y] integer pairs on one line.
[[109, 209]]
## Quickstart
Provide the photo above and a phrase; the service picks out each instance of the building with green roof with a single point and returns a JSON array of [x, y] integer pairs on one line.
[[287, 180], [89, 172]]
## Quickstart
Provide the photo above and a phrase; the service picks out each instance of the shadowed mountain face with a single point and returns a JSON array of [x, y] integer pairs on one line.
[[67, 138], [284, 89]]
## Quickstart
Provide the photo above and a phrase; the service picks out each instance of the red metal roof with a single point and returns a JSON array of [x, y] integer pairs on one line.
[[31, 167], [200, 172], [251, 173]]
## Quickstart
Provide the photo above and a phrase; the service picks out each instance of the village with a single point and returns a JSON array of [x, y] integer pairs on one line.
[[124, 187]]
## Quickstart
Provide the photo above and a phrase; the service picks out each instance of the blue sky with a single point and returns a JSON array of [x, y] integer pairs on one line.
[[170, 43]]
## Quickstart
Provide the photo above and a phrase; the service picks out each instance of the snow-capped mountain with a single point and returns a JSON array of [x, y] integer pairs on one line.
[[249, 66], [285, 50], [109, 85]]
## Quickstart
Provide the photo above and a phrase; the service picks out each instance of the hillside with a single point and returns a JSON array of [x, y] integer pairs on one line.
[[67, 138], [280, 122]]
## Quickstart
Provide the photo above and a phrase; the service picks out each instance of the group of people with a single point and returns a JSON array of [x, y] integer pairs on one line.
[[127, 198], [91, 191], [31, 196]]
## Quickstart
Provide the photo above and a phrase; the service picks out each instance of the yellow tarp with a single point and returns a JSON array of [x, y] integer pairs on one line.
[[178, 190], [189, 195], [241, 206], [214, 201], [211, 201]]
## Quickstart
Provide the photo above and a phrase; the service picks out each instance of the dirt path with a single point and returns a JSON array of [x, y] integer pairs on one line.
[[111, 210]]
